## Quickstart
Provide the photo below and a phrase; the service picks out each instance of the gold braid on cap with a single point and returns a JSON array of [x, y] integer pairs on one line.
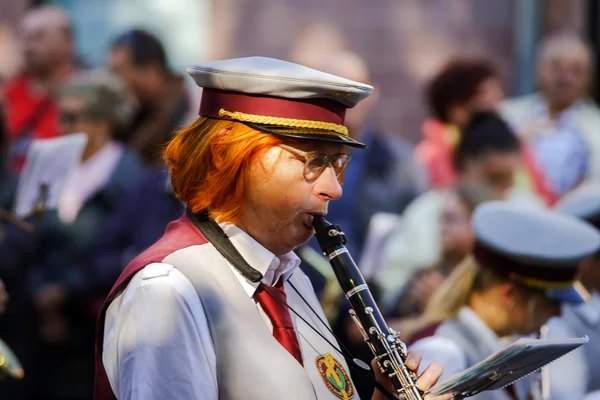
[[539, 283], [285, 122]]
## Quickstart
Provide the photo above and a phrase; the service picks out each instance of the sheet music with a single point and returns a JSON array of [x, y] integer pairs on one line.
[[507, 366], [49, 162]]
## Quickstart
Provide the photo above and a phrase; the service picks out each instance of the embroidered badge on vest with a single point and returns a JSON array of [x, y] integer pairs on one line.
[[335, 377]]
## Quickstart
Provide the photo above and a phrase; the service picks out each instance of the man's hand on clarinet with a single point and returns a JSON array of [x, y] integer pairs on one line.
[[426, 381]]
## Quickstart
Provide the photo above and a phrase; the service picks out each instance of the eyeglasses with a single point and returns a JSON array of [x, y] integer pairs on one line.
[[315, 162], [68, 117]]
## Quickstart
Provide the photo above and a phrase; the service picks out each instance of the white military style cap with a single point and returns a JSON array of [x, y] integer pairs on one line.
[[537, 248], [279, 97]]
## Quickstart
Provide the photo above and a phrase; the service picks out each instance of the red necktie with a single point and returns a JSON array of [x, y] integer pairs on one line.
[[279, 314]]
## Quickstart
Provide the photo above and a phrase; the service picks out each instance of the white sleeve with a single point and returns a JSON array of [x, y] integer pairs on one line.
[[157, 340], [593, 396], [569, 374], [442, 350]]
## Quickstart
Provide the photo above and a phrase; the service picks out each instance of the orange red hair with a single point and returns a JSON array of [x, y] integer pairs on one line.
[[210, 163]]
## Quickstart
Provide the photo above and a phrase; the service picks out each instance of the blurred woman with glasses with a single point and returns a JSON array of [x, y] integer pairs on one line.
[[97, 105]]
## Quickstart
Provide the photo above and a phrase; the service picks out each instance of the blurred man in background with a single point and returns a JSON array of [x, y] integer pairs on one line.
[[140, 60], [49, 58], [459, 90], [384, 177], [561, 122]]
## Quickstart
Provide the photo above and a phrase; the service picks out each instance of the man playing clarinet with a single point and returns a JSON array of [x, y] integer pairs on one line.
[[217, 308]]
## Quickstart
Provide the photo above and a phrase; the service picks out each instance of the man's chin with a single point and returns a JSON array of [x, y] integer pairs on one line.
[[305, 237], [565, 100]]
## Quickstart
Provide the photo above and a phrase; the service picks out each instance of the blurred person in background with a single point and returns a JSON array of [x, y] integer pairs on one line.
[[458, 91], [384, 176], [510, 287], [140, 60], [456, 242], [48, 46], [454, 231], [561, 122], [577, 374], [96, 104], [488, 154]]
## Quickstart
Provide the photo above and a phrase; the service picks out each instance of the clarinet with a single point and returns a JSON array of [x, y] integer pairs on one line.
[[384, 342]]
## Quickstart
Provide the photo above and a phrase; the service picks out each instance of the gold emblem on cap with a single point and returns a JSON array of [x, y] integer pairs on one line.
[[285, 122]]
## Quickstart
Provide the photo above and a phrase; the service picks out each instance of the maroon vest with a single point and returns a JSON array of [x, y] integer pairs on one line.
[[179, 234]]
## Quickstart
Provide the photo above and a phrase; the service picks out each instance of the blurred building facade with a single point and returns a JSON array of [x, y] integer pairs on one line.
[[403, 42]]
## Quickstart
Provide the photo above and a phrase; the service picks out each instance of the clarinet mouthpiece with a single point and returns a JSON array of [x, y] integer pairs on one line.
[[328, 235], [320, 224]]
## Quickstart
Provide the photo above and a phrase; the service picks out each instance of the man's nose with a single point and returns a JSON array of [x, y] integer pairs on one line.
[[327, 186]]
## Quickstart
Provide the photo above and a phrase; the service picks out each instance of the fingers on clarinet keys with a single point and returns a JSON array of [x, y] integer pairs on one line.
[[426, 381], [428, 378]]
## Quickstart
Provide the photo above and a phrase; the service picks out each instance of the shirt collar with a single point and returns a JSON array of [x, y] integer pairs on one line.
[[488, 338], [590, 311], [541, 109], [272, 268]]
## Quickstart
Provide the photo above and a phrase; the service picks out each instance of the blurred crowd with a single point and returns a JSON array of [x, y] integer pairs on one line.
[[405, 210]]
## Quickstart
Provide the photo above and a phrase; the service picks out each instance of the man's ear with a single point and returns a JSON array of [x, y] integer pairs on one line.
[[509, 294]]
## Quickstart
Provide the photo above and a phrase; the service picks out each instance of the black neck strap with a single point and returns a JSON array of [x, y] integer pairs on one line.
[[215, 235]]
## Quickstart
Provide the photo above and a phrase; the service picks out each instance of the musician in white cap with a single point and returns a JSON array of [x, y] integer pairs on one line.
[[194, 317], [524, 265], [578, 374]]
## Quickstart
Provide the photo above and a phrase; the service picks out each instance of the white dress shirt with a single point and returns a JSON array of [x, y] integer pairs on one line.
[[449, 353], [87, 179], [160, 300], [572, 375]]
